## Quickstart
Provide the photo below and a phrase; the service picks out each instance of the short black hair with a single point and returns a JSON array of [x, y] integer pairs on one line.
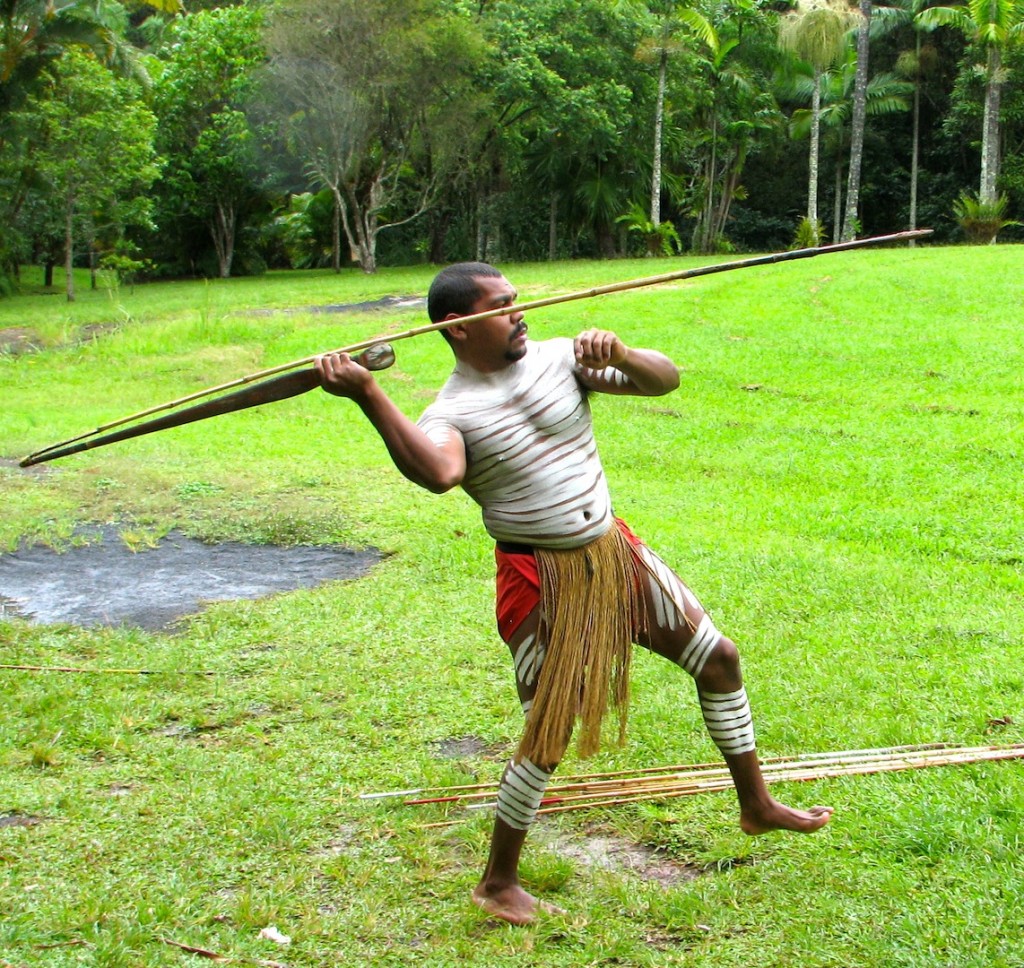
[[454, 289]]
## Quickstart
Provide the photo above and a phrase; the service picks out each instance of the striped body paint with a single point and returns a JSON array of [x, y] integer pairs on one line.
[[520, 793], [727, 716], [533, 465]]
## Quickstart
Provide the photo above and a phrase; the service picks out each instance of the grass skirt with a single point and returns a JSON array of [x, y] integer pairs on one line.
[[591, 613]]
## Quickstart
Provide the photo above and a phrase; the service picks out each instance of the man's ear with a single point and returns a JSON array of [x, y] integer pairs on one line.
[[458, 331]]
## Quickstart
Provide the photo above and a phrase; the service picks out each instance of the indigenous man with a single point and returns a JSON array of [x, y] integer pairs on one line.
[[512, 426]]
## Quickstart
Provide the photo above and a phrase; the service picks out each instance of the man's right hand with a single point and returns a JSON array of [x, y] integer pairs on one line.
[[341, 375]]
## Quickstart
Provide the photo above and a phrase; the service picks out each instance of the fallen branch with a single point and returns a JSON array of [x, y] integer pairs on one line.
[[214, 956]]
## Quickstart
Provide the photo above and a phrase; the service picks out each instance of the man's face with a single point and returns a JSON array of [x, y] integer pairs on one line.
[[500, 340]]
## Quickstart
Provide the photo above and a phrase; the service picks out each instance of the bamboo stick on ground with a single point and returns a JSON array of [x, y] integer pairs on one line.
[[703, 778], [814, 773], [643, 771], [120, 672]]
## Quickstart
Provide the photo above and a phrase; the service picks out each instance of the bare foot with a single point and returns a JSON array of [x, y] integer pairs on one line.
[[776, 816], [512, 904]]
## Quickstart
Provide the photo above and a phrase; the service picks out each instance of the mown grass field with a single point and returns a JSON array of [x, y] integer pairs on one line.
[[838, 477]]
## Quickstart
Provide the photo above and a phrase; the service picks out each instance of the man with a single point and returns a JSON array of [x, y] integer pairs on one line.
[[512, 426]]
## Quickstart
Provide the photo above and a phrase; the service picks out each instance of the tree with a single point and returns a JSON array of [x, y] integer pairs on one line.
[[736, 112], [671, 29], [215, 171], [34, 33], [916, 65], [33, 36], [93, 150], [860, 98], [884, 94], [992, 25], [570, 103], [368, 96], [816, 33]]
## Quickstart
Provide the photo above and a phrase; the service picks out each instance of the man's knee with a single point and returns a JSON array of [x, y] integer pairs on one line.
[[722, 660]]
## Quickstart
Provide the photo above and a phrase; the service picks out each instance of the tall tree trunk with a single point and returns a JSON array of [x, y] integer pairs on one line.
[[438, 236], [223, 232], [708, 231], [812, 173], [837, 208], [553, 227], [341, 210], [990, 127], [860, 101], [69, 247], [659, 120], [336, 234], [915, 150]]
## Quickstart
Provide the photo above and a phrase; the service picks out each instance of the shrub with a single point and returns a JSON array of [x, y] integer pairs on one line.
[[981, 221]]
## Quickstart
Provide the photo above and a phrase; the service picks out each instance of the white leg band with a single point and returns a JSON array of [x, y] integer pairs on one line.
[[728, 719], [697, 650], [520, 793]]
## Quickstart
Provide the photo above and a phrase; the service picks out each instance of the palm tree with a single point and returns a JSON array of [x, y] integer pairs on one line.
[[859, 118], [673, 27], [884, 93], [816, 33], [34, 32], [993, 25], [739, 111], [915, 65]]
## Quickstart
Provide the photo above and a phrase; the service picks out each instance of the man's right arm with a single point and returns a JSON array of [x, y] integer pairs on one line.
[[436, 468]]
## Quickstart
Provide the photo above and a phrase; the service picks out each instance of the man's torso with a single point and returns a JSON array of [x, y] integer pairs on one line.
[[532, 462]]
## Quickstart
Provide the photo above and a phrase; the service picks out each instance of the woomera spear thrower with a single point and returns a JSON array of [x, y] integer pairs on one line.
[[377, 355]]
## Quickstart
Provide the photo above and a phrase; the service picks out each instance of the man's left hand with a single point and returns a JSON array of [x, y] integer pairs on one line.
[[598, 348]]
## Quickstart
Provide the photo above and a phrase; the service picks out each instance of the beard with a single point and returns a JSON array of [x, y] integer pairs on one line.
[[516, 353]]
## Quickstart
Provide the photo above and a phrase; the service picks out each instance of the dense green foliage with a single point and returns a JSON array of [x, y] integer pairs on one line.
[[838, 477], [295, 133]]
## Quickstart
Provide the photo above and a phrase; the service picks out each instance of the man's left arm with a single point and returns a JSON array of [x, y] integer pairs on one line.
[[607, 365]]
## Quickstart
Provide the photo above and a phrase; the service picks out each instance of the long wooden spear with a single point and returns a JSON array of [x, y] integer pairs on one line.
[[270, 391]]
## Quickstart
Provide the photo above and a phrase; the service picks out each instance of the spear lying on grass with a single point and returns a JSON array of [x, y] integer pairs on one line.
[[614, 789], [291, 385]]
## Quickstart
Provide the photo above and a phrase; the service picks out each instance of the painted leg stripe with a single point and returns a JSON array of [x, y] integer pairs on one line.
[[526, 660], [520, 792], [699, 648], [729, 721]]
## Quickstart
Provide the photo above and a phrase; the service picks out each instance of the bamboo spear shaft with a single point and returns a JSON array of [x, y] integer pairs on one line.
[[952, 757], [582, 777], [706, 777], [669, 781], [120, 672], [725, 783], [61, 449]]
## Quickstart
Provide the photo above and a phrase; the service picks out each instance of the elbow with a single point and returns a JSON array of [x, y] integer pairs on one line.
[[440, 482], [439, 486], [669, 381]]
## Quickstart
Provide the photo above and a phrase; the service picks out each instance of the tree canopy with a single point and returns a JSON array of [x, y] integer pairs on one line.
[[390, 131]]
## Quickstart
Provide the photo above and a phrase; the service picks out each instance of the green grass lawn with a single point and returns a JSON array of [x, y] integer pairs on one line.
[[838, 477]]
